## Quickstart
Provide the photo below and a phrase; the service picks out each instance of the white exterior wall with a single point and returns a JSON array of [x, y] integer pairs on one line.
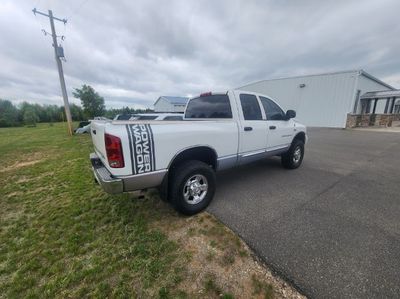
[[323, 102], [163, 105], [179, 108], [326, 99]]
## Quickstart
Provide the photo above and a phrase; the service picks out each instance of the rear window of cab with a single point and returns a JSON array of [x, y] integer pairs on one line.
[[212, 106]]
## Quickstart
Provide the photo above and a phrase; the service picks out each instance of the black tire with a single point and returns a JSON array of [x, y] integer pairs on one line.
[[289, 160], [177, 186]]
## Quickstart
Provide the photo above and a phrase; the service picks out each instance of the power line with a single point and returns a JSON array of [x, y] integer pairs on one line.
[[59, 54]]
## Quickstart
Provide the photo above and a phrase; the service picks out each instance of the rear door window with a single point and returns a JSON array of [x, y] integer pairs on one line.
[[212, 106], [250, 107]]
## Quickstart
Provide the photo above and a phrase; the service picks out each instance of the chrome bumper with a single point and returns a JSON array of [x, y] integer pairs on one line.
[[112, 184]]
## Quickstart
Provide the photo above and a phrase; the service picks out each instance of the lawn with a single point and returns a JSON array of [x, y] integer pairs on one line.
[[62, 236]]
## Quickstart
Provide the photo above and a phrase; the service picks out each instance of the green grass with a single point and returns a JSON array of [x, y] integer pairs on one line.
[[62, 236]]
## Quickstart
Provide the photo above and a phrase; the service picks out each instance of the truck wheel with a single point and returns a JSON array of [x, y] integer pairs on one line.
[[192, 187], [294, 156]]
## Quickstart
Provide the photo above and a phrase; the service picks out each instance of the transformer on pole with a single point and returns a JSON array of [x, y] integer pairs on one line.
[[59, 54]]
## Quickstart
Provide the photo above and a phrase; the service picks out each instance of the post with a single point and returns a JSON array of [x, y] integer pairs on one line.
[[392, 106], [376, 102], [368, 107], [61, 74], [387, 105]]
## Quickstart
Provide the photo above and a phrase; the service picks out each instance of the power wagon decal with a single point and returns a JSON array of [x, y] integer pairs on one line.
[[141, 144]]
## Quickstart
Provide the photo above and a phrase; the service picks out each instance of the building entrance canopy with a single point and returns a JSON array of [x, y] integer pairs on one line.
[[390, 96]]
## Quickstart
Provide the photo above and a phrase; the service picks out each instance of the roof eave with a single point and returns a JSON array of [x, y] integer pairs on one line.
[[157, 101], [301, 76], [369, 76]]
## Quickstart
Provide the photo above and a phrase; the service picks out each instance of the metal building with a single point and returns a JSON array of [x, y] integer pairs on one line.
[[170, 104], [323, 100]]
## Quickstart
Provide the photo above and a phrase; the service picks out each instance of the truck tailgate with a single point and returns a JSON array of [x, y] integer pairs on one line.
[[97, 131]]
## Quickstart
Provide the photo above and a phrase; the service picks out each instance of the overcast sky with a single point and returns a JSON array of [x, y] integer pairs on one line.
[[132, 52]]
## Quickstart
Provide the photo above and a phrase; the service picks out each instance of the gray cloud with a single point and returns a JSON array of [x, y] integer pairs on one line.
[[131, 52]]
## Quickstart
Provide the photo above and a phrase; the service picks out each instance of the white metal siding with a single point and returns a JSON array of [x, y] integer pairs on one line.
[[163, 106], [323, 102], [179, 108], [365, 84]]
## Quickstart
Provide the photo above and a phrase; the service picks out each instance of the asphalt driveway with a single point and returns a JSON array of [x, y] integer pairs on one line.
[[332, 227]]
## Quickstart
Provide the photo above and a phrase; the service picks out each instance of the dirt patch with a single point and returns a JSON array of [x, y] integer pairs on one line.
[[10, 215], [24, 179], [27, 160], [19, 165], [220, 263], [40, 190], [13, 194]]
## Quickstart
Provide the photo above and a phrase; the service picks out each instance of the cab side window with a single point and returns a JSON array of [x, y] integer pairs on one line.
[[250, 107], [272, 110]]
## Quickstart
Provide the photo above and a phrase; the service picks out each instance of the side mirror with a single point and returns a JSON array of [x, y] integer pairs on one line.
[[290, 114]]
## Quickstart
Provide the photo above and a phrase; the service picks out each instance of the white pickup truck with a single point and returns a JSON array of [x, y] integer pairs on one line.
[[219, 131]]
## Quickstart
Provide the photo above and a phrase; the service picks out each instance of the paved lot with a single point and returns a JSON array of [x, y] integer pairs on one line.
[[331, 227]]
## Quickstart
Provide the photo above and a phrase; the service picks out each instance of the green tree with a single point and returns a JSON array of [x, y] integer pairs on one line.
[[24, 106], [30, 116], [8, 114], [76, 112], [53, 113], [111, 113], [92, 102]]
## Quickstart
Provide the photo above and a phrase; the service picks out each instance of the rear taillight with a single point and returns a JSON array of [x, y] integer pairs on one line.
[[114, 151]]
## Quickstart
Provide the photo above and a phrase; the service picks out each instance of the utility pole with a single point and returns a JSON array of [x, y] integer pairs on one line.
[[57, 55]]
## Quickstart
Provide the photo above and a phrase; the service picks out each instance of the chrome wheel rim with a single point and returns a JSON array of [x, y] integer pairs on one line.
[[297, 155], [195, 189]]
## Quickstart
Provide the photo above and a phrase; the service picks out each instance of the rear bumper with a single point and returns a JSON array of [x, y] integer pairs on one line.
[[109, 183], [113, 185]]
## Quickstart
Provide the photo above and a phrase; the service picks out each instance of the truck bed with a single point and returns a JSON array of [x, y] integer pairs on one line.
[[151, 145]]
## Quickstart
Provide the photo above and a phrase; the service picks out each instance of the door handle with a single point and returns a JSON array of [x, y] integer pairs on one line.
[[248, 128], [94, 132], [272, 127]]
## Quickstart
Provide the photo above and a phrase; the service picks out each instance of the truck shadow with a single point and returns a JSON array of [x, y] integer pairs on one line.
[[249, 173]]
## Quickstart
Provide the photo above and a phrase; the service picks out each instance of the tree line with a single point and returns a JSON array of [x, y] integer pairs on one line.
[[29, 114]]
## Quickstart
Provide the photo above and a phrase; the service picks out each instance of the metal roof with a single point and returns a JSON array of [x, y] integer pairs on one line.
[[381, 94], [359, 71], [174, 100], [364, 73]]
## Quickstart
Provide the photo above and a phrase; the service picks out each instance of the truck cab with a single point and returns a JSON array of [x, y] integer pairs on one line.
[[219, 131]]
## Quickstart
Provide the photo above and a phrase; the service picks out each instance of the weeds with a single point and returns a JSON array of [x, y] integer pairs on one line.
[[262, 288]]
